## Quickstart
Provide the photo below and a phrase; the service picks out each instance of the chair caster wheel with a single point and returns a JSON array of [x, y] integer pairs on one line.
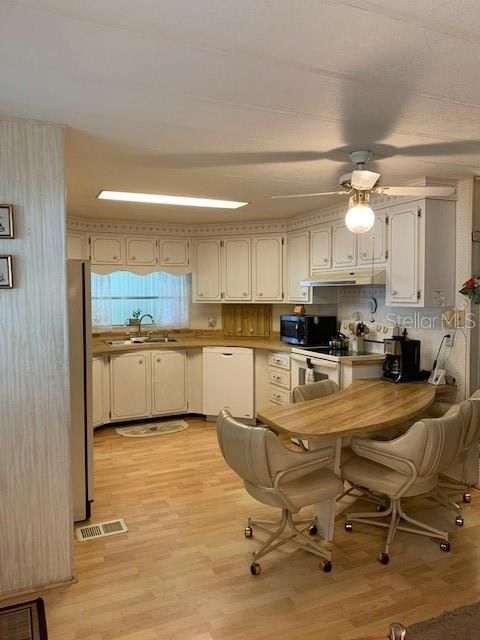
[[381, 508], [383, 558], [326, 566], [248, 532], [467, 498], [445, 546], [312, 530], [255, 569], [348, 526], [459, 521]]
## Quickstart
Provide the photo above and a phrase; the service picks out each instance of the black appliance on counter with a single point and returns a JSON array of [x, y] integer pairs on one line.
[[402, 360], [307, 330]]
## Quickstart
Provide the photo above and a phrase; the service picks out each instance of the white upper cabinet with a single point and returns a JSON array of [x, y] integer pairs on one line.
[[421, 252], [76, 246], [267, 268], [298, 266], [207, 281], [402, 281], [373, 243], [237, 269], [169, 382], [343, 242], [107, 249], [174, 252], [321, 248], [141, 251]]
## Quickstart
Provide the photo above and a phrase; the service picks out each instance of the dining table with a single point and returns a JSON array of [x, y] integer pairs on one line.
[[364, 407]]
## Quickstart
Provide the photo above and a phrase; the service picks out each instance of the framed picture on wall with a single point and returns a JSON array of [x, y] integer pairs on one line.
[[6, 221], [6, 274]]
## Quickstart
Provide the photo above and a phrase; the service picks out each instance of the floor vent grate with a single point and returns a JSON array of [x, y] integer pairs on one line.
[[100, 530]]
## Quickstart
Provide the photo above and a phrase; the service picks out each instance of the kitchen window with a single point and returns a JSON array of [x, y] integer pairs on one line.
[[116, 296]]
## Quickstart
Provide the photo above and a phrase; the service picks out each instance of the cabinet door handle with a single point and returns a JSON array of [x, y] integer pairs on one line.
[[140, 362], [350, 257], [325, 259], [200, 295], [134, 258], [394, 292], [304, 293], [245, 293], [364, 254], [260, 293], [159, 359], [166, 259], [115, 258]]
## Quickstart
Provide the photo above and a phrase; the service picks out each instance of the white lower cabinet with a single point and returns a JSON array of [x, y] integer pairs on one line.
[[169, 382], [100, 391], [130, 384], [148, 383], [279, 378]]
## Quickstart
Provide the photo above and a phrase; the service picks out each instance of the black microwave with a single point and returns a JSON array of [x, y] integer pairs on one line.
[[308, 330]]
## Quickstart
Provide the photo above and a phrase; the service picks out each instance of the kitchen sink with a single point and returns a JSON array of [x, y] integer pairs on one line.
[[117, 343]]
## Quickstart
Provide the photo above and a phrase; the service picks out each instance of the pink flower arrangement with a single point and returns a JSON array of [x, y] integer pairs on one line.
[[471, 289]]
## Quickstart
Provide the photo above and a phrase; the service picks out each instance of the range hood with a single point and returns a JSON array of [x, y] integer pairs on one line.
[[355, 277]]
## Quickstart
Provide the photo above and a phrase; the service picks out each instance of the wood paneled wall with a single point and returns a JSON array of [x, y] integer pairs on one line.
[[35, 504]]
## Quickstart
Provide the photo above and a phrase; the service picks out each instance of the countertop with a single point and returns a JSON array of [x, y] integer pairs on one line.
[[364, 406], [191, 342]]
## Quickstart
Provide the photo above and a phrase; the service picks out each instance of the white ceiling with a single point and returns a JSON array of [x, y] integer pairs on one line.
[[155, 91]]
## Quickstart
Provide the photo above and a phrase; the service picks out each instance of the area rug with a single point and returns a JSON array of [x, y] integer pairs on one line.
[[459, 624], [148, 429], [23, 621]]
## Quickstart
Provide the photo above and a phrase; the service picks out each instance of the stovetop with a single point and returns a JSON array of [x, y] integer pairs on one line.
[[328, 351]]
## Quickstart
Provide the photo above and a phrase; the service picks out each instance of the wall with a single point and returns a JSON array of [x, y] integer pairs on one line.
[[35, 509]]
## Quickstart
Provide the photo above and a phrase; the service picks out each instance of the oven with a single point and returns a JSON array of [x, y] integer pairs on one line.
[[313, 369]]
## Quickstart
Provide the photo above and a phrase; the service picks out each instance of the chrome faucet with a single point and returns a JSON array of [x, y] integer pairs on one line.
[[146, 315]]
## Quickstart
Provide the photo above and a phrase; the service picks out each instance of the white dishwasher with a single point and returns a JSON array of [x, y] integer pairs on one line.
[[228, 381]]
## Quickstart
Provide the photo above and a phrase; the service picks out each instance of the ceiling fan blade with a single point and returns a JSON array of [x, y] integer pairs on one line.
[[364, 180], [207, 159], [415, 191], [310, 195]]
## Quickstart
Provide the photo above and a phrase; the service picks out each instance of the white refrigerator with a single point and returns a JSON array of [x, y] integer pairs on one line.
[[81, 427]]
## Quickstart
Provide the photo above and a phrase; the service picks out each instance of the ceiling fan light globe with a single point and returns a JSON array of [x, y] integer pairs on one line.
[[360, 218]]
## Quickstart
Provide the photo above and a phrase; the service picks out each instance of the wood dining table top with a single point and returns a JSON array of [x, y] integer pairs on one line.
[[364, 406]]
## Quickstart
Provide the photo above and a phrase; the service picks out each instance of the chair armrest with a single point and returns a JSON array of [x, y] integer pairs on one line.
[[399, 454], [295, 464]]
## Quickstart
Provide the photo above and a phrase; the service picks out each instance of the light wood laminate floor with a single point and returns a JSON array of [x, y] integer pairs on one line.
[[182, 571]]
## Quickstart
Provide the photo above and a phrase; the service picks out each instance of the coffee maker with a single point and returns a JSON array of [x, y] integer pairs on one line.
[[402, 359]]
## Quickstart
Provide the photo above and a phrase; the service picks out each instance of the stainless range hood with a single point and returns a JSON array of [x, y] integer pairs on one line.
[[355, 277]]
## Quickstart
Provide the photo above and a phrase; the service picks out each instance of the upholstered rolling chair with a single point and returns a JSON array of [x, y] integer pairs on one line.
[[468, 455], [466, 465], [405, 467], [281, 478], [314, 390]]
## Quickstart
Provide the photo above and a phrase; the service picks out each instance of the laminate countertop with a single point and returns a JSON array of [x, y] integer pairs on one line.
[[99, 347], [188, 342], [364, 406]]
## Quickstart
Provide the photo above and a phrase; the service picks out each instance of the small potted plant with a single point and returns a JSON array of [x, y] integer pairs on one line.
[[134, 321], [471, 289]]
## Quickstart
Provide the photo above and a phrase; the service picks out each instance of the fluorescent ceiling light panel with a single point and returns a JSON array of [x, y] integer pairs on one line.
[[181, 201]]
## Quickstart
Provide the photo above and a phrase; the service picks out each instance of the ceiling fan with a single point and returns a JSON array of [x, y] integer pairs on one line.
[[360, 184]]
